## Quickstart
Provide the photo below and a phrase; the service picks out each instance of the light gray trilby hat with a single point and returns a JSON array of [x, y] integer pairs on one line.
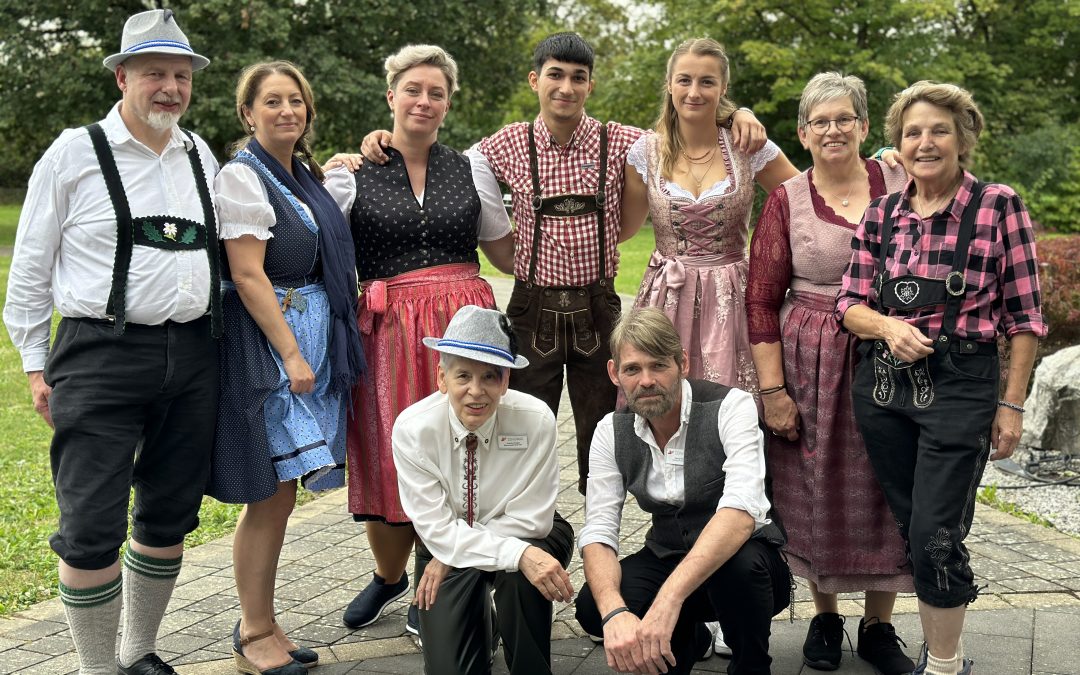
[[481, 335], [154, 32]]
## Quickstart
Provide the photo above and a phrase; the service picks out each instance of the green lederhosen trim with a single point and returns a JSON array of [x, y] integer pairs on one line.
[[158, 568], [539, 203], [165, 232]]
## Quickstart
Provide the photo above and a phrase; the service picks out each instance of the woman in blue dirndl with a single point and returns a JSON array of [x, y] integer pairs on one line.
[[290, 353]]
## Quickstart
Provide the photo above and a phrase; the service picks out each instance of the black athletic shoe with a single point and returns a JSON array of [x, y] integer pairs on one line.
[[368, 605], [824, 642], [879, 644]]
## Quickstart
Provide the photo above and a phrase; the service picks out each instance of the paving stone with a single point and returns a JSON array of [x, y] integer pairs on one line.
[[36, 630], [59, 665], [204, 587], [52, 645], [998, 655], [1056, 648], [17, 659], [317, 634], [214, 604], [181, 643], [1031, 585], [1019, 623], [181, 619]]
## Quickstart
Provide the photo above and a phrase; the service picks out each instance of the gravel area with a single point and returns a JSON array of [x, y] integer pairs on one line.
[[1060, 504]]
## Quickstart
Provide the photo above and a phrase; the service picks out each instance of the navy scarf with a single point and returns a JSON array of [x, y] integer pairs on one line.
[[339, 267]]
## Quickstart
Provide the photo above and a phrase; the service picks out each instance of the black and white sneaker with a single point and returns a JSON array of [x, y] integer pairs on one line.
[[366, 608]]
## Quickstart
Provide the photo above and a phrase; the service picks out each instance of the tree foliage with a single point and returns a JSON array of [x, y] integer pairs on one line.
[[52, 77]]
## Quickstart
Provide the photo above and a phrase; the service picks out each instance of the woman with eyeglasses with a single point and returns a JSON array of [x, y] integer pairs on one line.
[[841, 534]]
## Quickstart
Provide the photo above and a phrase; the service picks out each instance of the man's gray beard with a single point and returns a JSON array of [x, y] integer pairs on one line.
[[162, 121], [652, 408]]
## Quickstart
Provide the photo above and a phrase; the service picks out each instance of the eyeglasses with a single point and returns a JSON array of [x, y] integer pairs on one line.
[[844, 124]]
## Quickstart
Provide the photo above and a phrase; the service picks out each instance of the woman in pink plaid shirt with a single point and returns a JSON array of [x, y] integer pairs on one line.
[[939, 271]]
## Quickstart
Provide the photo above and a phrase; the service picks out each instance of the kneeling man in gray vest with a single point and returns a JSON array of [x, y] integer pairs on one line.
[[478, 475], [691, 453]]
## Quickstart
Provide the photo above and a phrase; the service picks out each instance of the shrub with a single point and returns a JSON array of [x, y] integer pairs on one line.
[[1059, 276]]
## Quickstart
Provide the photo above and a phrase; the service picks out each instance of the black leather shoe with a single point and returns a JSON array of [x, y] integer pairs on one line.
[[151, 664]]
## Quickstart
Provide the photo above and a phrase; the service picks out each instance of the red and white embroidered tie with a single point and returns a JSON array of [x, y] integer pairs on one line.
[[470, 478]]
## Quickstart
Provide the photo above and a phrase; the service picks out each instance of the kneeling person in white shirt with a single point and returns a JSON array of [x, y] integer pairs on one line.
[[691, 453], [478, 475]]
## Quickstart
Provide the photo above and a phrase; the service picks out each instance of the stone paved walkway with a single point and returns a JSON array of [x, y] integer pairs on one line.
[[1026, 621]]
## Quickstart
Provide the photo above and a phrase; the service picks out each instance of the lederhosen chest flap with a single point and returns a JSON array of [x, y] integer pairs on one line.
[[165, 232], [567, 206], [909, 292]]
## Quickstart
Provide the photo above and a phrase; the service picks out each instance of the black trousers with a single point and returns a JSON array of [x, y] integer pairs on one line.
[[927, 432], [567, 327], [743, 595], [459, 630], [131, 411]]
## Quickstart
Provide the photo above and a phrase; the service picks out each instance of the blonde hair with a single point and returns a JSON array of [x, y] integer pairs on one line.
[[830, 86], [411, 56], [967, 118], [247, 88], [667, 124], [649, 330]]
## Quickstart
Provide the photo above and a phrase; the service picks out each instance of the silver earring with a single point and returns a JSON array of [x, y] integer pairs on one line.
[[251, 128]]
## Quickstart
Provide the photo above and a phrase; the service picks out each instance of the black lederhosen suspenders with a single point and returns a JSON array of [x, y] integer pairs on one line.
[[567, 205], [910, 291], [165, 232]]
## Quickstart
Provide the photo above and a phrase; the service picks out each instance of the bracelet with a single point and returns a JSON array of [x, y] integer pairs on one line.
[[612, 614], [1011, 406], [731, 118], [773, 390], [882, 151]]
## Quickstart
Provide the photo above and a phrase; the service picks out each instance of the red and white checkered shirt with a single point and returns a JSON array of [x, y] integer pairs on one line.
[[569, 249], [1002, 273]]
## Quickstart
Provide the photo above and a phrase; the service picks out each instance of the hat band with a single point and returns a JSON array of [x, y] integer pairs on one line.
[[477, 346], [149, 44]]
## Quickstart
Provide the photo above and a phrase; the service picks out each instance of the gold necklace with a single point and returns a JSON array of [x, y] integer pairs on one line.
[[710, 153], [697, 181]]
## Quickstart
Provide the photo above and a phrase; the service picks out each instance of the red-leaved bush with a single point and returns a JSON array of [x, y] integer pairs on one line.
[[1059, 276]]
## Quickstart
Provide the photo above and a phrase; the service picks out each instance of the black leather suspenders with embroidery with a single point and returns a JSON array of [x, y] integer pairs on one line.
[[567, 206], [165, 232]]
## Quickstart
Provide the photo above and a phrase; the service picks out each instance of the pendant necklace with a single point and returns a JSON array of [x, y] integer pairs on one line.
[[697, 181]]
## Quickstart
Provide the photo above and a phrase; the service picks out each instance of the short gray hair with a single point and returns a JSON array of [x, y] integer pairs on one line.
[[829, 86], [411, 56], [967, 118]]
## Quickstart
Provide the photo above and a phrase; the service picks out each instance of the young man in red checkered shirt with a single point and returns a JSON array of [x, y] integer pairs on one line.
[[567, 168]]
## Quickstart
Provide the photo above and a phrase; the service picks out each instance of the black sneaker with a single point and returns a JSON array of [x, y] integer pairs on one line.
[[412, 621], [879, 644], [368, 605], [151, 664], [824, 642]]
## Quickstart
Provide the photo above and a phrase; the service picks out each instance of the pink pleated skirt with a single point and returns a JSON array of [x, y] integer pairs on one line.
[[394, 315]]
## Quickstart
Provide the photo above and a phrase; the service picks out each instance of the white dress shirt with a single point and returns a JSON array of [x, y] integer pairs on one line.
[[517, 479], [65, 244], [744, 468]]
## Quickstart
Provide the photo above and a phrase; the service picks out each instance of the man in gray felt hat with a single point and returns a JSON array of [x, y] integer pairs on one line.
[[478, 475], [117, 234]]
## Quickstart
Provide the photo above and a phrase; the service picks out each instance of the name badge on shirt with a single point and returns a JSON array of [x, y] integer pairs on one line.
[[513, 442], [674, 457]]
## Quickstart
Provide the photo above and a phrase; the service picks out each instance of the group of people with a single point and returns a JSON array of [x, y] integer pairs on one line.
[[861, 332]]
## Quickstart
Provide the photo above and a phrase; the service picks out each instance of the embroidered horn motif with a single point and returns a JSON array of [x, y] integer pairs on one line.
[[907, 291]]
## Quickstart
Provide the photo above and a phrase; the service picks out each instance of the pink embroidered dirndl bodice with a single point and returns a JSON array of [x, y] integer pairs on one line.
[[697, 273]]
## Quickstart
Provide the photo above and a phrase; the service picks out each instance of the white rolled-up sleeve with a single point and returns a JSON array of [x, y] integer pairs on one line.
[[29, 304], [341, 184], [744, 468], [424, 498], [243, 207], [604, 493], [494, 222]]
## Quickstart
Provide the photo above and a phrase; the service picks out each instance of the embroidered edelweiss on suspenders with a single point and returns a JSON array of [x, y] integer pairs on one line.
[[165, 232], [566, 206]]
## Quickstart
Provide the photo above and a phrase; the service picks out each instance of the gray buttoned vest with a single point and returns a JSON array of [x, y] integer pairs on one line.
[[675, 528]]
